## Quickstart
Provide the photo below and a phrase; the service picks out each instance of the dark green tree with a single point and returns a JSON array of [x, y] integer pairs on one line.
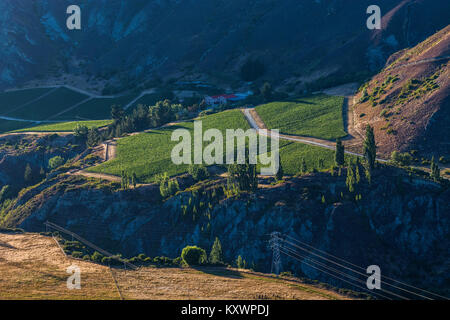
[[216, 254], [239, 262], [28, 175], [350, 181], [243, 176], [117, 113], [339, 157], [93, 137], [134, 180], [370, 148], [435, 172], [80, 131], [266, 91], [42, 172], [303, 167], [280, 173]]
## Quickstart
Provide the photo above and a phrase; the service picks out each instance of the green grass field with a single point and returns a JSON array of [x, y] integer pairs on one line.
[[292, 153], [9, 125], [64, 126], [96, 109], [13, 99], [317, 116], [42, 109], [149, 154]]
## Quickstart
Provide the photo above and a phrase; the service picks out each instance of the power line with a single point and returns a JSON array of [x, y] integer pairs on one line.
[[350, 269], [282, 251], [342, 273], [276, 259], [354, 265]]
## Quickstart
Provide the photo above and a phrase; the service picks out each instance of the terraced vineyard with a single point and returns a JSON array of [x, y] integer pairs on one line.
[[11, 100], [10, 125], [39, 109], [96, 108], [64, 126], [53, 103], [149, 154], [318, 116]]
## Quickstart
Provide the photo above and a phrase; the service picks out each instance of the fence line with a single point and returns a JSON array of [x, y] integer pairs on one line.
[[89, 244]]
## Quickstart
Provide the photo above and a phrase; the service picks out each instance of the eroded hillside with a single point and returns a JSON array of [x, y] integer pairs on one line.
[[408, 103]]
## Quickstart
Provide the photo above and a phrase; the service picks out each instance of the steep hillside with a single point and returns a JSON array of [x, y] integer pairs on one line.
[[404, 233], [37, 270], [125, 41], [408, 103]]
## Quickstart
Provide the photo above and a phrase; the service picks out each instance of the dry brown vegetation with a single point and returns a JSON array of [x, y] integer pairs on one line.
[[407, 102], [34, 267]]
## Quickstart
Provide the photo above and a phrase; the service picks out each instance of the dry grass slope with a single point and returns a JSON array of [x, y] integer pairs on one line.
[[33, 267]]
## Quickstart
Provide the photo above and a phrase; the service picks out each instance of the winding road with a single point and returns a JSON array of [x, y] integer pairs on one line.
[[250, 115]]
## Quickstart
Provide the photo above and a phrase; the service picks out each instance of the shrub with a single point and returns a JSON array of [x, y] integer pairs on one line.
[[93, 137], [106, 260], [55, 162], [167, 187], [286, 274], [80, 131], [403, 159], [5, 193], [198, 172], [77, 254], [97, 257], [193, 255]]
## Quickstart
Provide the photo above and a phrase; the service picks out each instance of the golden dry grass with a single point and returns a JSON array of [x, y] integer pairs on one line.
[[33, 267], [212, 284]]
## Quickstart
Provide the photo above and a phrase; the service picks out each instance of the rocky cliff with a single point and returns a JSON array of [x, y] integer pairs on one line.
[[400, 223]]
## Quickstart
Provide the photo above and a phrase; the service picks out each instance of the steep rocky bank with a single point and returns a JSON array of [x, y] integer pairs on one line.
[[400, 223]]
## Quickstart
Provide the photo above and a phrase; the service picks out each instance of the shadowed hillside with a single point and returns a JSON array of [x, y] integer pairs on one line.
[[408, 102], [123, 42]]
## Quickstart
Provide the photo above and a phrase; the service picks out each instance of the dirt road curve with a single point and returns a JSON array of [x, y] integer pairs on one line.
[[249, 114]]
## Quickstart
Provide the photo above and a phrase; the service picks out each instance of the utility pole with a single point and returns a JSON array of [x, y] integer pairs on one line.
[[276, 258]]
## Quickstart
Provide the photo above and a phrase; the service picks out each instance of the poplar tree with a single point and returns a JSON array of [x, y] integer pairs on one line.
[[216, 254], [303, 167], [340, 153], [279, 174], [435, 172], [28, 175], [370, 148]]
